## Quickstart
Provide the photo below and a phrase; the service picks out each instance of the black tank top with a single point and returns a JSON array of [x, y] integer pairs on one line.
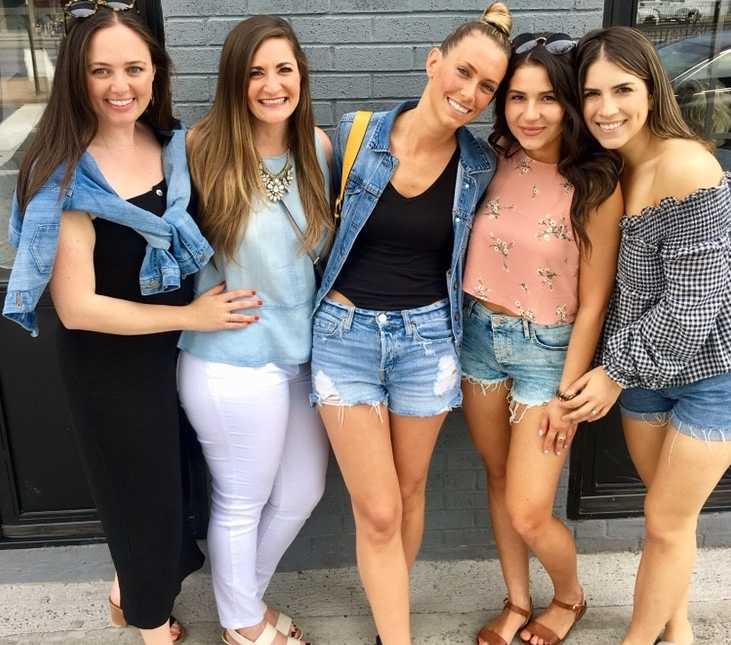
[[401, 256]]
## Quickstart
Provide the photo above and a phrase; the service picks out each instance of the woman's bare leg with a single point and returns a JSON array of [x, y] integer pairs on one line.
[[413, 440], [361, 439], [487, 414], [688, 470], [644, 441], [532, 482]]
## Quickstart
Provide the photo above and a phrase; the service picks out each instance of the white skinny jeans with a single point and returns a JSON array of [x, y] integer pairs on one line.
[[267, 453]]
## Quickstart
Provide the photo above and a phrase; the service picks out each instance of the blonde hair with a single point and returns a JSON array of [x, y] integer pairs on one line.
[[496, 23], [222, 156]]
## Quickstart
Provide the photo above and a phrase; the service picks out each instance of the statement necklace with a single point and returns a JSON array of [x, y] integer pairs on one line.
[[275, 185]]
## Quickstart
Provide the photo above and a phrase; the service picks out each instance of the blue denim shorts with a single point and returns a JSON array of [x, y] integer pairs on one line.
[[701, 410], [405, 360], [498, 348]]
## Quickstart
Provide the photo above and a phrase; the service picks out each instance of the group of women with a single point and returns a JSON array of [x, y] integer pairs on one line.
[[461, 272]]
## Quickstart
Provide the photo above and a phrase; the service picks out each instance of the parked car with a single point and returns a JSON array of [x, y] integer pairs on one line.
[[688, 11], [700, 70]]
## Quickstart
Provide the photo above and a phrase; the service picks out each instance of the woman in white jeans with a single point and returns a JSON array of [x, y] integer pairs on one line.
[[261, 171]]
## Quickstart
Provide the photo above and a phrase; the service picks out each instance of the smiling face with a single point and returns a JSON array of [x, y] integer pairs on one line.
[[273, 92], [616, 104], [463, 81], [533, 113], [119, 76]]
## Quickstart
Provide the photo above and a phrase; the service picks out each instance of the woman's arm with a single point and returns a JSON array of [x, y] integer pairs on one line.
[[597, 272], [652, 350], [73, 289]]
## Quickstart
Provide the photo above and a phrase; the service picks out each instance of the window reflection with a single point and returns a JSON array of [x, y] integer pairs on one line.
[[693, 39], [30, 32]]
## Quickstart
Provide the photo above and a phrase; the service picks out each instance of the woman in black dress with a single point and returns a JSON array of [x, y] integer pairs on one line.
[[117, 349]]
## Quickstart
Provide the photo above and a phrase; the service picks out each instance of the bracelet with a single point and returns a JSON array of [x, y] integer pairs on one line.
[[564, 397]]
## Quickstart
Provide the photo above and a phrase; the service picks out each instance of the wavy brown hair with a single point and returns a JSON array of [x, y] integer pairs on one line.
[[629, 49], [221, 152], [69, 123], [591, 170]]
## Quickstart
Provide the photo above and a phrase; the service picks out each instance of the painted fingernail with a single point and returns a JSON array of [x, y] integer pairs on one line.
[[545, 451], [541, 433]]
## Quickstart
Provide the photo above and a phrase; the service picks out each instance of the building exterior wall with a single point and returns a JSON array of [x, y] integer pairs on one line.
[[370, 54]]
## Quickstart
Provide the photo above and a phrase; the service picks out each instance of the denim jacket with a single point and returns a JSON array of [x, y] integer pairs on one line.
[[372, 172], [175, 248]]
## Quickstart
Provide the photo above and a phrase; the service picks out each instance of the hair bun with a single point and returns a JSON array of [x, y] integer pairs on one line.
[[498, 15]]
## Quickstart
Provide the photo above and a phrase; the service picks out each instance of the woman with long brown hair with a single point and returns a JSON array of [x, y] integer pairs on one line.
[[667, 336], [261, 171], [539, 272], [101, 215]]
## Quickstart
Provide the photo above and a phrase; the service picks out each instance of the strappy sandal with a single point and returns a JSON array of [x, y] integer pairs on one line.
[[285, 625], [117, 618], [267, 637], [493, 638], [548, 636]]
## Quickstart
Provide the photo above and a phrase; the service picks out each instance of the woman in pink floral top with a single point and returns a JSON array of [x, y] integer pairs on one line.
[[540, 269]]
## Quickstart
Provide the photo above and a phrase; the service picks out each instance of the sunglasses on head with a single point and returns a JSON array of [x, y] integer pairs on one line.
[[561, 44], [86, 8]]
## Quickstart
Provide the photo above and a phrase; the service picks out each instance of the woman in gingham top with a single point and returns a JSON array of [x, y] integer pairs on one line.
[[667, 341]]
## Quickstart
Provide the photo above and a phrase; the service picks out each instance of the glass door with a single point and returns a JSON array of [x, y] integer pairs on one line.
[[30, 32], [693, 39]]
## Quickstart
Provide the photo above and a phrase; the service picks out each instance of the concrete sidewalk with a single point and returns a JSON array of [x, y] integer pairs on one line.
[[450, 601]]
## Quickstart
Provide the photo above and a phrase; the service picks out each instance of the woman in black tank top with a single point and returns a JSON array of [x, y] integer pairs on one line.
[[387, 326], [117, 348]]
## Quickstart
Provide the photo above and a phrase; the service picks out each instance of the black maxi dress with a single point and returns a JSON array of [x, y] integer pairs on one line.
[[124, 407]]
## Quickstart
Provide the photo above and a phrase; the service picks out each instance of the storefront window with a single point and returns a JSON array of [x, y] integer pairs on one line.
[[30, 32], [693, 39]]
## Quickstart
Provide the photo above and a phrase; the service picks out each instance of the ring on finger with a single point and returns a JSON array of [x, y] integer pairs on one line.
[[562, 437], [593, 412]]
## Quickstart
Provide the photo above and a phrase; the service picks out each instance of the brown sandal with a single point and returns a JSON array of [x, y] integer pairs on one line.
[[117, 618], [488, 636], [548, 636]]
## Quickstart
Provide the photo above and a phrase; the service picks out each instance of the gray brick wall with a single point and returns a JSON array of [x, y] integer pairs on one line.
[[370, 54]]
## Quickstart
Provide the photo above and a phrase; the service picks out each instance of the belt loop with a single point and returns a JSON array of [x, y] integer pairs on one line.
[[526, 328], [348, 320], [471, 302]]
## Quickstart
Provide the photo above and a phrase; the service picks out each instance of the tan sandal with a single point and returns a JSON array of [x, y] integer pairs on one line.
[[117, 618], [267, 637], [548, 636], [492, 638]]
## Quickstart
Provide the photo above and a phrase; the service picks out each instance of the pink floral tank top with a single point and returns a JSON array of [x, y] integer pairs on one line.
[[522, 254]]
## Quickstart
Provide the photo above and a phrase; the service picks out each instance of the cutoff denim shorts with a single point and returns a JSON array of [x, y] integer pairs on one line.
[[701, 410], [405, 360], [498, 348]]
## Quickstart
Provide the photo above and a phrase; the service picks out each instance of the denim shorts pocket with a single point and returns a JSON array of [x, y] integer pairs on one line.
[[430, 330], [552, 338], [325, 323]]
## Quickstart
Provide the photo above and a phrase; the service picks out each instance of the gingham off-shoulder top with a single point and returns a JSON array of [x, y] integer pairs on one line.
[[669, 318]]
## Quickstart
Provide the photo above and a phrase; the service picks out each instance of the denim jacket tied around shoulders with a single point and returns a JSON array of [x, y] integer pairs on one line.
[[175, 246], [372, 172]]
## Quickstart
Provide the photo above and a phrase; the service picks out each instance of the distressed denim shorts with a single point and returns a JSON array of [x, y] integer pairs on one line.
[[498, 348], [405, 360], [701, 410]]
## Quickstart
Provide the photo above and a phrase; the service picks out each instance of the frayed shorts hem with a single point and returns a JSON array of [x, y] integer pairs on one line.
[[660, 419], [402, 412]]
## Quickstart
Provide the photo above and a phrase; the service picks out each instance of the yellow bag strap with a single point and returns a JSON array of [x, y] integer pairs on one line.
[[355, 140]]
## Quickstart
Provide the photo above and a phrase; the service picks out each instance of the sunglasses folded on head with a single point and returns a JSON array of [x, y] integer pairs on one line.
[[556, 44], [86, 8]]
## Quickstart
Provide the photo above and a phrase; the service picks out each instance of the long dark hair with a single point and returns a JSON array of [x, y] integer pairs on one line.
[[634, 53], [69, 123], [591, 170]]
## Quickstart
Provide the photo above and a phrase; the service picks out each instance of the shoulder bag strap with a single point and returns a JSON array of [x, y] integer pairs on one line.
[[300, 235], [352, 148]]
